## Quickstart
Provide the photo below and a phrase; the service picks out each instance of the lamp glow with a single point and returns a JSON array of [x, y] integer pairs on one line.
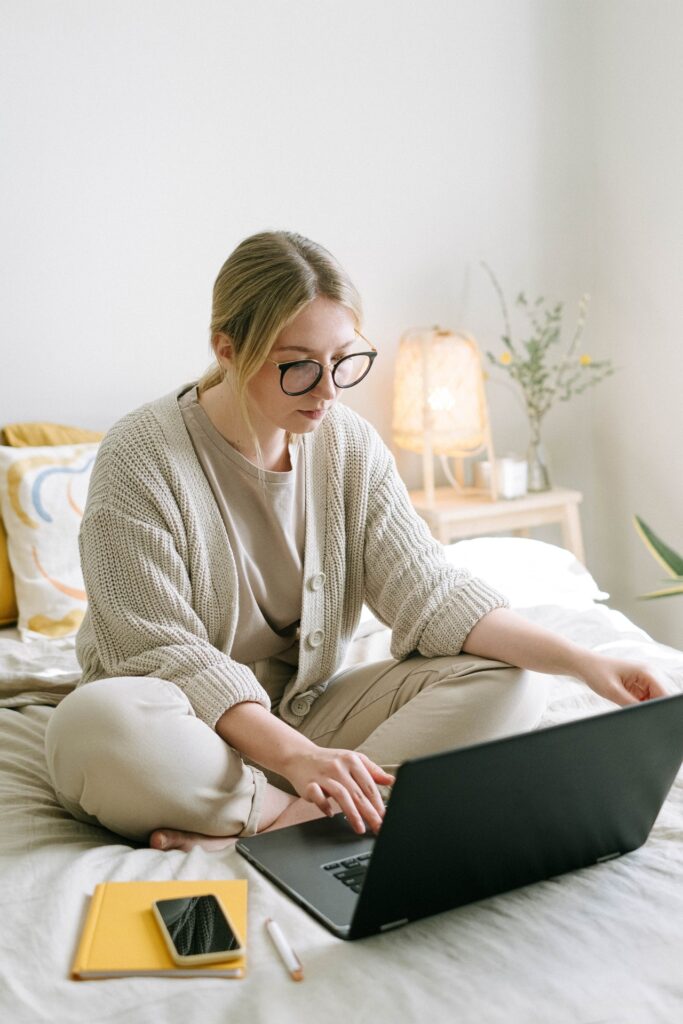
[[439, 399]]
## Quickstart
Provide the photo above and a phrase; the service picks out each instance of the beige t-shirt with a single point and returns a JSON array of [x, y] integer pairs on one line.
[[264, 518]]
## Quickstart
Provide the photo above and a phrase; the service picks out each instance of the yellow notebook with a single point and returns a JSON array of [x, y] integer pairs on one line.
[[120, 936]]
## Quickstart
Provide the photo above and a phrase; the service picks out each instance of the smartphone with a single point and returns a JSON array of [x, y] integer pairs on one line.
[[197, 930]]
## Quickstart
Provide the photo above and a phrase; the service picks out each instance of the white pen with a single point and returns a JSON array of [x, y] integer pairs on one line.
[[287, 954]]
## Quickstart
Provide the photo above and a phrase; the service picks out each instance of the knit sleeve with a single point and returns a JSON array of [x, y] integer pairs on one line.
[[140, 618], [430, 604]]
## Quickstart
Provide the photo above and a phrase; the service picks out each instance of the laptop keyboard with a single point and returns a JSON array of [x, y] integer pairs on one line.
[[349, 872]]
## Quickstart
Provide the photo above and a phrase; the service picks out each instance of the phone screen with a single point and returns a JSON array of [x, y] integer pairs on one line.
[[197, 925]]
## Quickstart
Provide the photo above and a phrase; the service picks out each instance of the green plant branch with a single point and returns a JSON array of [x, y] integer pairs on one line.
[[540, 379]]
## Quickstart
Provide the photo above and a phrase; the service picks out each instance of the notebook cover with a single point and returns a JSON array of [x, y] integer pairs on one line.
[[120, 936]]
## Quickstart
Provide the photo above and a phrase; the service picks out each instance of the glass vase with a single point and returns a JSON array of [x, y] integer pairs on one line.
[[538, 478]]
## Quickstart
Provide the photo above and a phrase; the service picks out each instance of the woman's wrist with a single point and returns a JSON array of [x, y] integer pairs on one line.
[[565, 658], [583, 662], [252, 730], [292, 747]]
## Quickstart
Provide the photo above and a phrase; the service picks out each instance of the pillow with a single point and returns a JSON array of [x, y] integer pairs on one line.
[[8, 598], [42, 496], [529, 572], [31, 435]]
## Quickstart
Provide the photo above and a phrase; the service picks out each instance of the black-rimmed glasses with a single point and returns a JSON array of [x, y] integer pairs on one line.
[[301, 375]]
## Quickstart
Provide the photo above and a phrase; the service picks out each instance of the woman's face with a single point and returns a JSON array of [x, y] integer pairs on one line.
[[324, 331]]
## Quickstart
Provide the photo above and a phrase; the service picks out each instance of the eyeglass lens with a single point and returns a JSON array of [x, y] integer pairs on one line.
[[304, 375]]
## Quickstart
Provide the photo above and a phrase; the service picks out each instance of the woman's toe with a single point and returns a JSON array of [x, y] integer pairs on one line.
[[170, 839], [164, 840]]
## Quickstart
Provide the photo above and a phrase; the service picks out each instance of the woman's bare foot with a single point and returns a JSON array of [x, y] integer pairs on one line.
[[279, 810], [174, 839]]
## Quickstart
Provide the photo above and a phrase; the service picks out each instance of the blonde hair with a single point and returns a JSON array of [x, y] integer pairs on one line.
[[262, 286]]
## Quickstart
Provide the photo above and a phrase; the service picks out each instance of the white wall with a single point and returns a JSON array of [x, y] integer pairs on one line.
[[147, 137], [638, 226]]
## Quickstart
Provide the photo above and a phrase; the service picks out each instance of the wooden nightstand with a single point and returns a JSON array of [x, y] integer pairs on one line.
[[453, 518]]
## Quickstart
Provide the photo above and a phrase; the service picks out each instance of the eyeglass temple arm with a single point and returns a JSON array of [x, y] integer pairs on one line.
[[366, 340]]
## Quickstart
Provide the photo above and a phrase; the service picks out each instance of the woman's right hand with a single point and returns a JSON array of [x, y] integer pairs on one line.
[[333, 780], [340, 780]]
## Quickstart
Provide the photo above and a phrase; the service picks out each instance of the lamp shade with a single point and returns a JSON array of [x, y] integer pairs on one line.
[[439, 397]]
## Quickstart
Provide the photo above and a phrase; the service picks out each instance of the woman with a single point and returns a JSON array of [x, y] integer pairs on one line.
[[233, 530]]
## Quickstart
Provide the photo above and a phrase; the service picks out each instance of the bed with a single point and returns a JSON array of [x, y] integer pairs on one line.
[[601, 945]]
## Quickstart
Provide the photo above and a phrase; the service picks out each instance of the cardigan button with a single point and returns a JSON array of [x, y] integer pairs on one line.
[[316, 582], [301, 705], [315, 638]]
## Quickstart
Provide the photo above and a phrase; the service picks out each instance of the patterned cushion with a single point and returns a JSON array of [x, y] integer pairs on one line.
[[21, 435], [42, 496]]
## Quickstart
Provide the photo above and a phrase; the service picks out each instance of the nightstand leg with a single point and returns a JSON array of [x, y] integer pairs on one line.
[[443, 534]]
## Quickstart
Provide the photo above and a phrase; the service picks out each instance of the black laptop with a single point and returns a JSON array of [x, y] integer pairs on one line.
[[469, 823]]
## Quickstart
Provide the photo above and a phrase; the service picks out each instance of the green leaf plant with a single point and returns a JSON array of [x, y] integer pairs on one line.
[[669, 559], [544, 370]]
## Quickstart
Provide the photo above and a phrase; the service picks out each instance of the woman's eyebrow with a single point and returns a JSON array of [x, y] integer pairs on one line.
[[303, 348]]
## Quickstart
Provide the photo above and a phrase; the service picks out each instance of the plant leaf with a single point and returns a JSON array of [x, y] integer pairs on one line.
[[672, 562], [662, 593]]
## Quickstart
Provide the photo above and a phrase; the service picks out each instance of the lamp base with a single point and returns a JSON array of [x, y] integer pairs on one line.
[[467, 481]]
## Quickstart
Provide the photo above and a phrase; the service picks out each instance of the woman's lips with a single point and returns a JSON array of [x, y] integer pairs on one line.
[[313, 414]]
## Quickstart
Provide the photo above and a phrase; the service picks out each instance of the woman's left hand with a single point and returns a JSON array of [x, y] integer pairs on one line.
[[624, 682]]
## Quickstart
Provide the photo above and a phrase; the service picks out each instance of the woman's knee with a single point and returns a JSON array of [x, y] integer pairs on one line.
[[526, 695], [97, 731], [490, 699], [106, 716], [131, 754]]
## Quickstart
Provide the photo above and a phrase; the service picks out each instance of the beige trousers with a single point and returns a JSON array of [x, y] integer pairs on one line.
[[129, 753]]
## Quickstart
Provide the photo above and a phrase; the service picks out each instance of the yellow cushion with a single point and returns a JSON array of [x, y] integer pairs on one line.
[[8, 598], [31, 435]]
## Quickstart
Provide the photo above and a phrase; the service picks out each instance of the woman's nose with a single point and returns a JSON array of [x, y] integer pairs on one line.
[[325, 388]]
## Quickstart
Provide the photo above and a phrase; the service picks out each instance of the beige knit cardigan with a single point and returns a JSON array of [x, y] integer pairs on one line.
[[162, 584]]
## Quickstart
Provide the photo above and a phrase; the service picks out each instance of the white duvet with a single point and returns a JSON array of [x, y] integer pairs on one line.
[[596, 946]]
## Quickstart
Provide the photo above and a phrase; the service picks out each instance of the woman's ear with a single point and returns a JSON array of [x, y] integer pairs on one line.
[[222, 349]]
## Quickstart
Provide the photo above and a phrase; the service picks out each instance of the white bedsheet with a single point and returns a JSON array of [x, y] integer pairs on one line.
[[596, 946]]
